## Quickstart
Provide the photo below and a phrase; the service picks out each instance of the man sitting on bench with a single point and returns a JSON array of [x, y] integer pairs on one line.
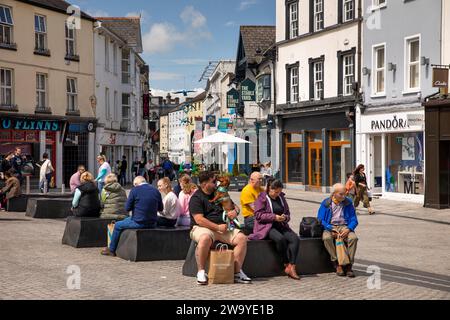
[[338, 217], [208, 226], [144, 201]]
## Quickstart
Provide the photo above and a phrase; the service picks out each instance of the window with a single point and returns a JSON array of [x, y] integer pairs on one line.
[[125, 110], [349, 73], [116, 109], [40, 31], [125, 66], [293, 20], [349, 10], [6, 87], [107, 105], [115, 58], [263, 88], [41, 91], [293, 77], [106, 54], [72, 95], [6, 25], [318, 15], [318, 80], [380, 69], [413, 64], [70, 41], [378, 3]]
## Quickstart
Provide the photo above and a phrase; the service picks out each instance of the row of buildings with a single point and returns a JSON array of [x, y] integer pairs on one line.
[[335, 83], [72, 85]]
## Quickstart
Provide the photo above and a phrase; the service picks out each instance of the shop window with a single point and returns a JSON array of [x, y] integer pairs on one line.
[[340, 156], [315, 136], [405, 163], [294, 137], [294, 158]]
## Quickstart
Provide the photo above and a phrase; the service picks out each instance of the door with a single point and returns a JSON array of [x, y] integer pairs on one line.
[[315, 165]]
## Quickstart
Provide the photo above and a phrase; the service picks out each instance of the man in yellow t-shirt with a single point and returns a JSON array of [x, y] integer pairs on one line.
[[248, 197]]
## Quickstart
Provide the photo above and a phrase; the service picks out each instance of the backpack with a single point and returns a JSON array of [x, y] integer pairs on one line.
[[310, 227]]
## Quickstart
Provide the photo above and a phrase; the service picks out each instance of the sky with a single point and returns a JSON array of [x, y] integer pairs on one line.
[[180, 37]]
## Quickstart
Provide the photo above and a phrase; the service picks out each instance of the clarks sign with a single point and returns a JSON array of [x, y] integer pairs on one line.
[[24, 124], [440, 78]]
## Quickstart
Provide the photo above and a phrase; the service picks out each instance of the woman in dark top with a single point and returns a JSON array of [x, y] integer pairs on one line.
[[271, 222], [361, 188], [86, 202]]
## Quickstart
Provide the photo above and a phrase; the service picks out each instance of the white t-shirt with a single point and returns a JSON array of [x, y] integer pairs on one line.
[[106, 166], [171, 206], [46, 168]]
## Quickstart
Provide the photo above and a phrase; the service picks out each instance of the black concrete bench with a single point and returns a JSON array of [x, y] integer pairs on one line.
[[47, 208], [262, 259], [84, 232], [19, 204], [154, 244]]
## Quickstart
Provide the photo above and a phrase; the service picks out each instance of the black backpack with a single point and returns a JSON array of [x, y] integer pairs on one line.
[[310, 227]]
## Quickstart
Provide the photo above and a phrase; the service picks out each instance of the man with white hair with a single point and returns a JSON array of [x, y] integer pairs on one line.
[[144, 201], [338, 217]]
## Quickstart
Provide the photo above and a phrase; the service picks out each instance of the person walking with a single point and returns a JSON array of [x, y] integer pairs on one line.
[[103, 171], [45, 174], [362, 188]]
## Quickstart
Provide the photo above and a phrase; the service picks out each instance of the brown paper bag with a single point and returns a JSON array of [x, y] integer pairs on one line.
[[221, 266], [110, 230], [342, 253]]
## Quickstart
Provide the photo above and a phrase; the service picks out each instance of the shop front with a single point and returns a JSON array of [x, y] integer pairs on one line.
[[391, 146], [318, 151]]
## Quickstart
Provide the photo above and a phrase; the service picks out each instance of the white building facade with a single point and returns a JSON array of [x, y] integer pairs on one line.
[[178, 142]]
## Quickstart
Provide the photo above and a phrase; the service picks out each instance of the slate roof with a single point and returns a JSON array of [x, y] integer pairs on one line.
[[256, 40], [127, 28], [55, 5]]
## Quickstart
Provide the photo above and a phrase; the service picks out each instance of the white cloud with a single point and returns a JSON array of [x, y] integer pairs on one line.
[[230, 24], [245, 4], [163, 37], [157, 75], [97, 13], [193, 17]]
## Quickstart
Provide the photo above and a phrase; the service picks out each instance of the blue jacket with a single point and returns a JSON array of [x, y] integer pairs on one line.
[[325, 215], [144, 201]]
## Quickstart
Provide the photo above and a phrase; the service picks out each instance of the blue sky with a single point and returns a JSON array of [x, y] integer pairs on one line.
[[180, 37]]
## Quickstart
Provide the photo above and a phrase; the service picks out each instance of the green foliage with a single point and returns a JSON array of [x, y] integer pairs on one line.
[[235, 169]]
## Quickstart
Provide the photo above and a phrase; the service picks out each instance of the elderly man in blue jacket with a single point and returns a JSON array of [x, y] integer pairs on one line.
[[144, 201], [338, 217]]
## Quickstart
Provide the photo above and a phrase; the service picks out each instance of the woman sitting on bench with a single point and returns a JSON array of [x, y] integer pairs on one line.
[[85, 201], [271, 222], [11, 188]]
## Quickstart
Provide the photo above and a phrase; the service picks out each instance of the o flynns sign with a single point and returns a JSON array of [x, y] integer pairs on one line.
[[393, 122]]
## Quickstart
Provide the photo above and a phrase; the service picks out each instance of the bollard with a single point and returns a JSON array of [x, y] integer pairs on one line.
[[62, 188], [27, 185]]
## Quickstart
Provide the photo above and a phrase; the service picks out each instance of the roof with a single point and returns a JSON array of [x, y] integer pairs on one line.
[[199, 97], [127, 28], [256, 40], [55, 5]]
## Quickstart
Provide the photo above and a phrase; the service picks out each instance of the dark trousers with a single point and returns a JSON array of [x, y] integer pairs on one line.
[[287, 243], [164, 222], [122, 178]]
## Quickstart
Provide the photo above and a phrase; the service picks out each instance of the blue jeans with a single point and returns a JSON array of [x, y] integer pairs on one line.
[[127, 223], [100, 186], [48, 177]]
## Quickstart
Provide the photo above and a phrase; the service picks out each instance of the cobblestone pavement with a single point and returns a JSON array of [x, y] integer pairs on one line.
[[408, 243]]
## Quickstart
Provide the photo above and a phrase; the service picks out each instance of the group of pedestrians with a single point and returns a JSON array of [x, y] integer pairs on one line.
[[357, 188]]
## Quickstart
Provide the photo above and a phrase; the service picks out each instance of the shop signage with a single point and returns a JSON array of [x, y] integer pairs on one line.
[[440, 78], [24, 124], [225, 124], [248, 90], [393, 122], [232, 98], [211, 120], [145, 106]]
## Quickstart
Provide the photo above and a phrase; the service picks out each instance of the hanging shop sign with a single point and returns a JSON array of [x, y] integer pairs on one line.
[[145, 106], [440, 78], [248, 90], [211, 120], [232, 98]]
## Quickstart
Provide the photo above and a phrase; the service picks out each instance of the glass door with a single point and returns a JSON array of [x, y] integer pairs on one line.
[[315, 165]]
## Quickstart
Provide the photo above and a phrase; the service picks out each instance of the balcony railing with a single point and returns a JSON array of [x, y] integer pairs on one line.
[[72, 57], [9, 46], [41, 109], [8, 107], [42, 52], [71, 112]]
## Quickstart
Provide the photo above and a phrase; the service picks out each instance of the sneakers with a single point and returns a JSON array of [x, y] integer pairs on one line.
[[241, 277], [202, 278]]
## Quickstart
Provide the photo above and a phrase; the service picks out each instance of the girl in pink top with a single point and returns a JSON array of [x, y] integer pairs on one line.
[[187, 190]]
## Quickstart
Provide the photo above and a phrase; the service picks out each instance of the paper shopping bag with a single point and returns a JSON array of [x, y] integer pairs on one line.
[[342, 253], [221, 266], [110, 231]]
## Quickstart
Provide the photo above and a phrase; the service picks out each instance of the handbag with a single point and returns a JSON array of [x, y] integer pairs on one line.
[[110, 230], [341, 252], [221, 265], [310, 227]]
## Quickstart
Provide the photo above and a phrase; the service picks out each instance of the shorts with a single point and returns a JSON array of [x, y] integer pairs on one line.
[[226, 237]]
